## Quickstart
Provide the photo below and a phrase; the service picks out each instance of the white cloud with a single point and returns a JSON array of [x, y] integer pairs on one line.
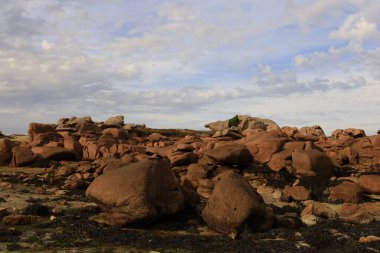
[[309, 14], [162, 62], [129, 71], [46, 45], [177, 12], [355, 28]]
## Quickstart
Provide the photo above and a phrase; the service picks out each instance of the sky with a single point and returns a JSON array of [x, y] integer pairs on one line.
[[181, 64]]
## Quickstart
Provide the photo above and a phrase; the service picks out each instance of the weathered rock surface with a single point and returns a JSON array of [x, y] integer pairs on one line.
[[55, 153], [195, 173], [348, 192], [22, 156], [313, 133], [234, 204], [370, 183], [182, 158], [230, 154], [312, 163], [362, 213], [115, 121], [138, 193], [138, 175], [17, 219], [264, 147], [85, 127], [296, 192], [6, 146], [280, 160], [243, 122], [38, 128]]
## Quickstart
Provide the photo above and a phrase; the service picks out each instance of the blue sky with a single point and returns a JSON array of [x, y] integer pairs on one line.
[[185, 63]]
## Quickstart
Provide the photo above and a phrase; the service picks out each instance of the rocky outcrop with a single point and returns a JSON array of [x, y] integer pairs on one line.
[[39, 128], [243, 122], [313, 133], [230, 177], [353, 147], [85, 127]]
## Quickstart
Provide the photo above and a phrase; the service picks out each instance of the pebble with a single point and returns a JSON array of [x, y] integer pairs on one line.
[[368, 239], [3, 212], [17, 219], [302, 245], [6, 185]]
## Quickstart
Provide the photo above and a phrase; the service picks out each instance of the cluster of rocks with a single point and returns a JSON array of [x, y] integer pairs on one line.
[[247, 174]]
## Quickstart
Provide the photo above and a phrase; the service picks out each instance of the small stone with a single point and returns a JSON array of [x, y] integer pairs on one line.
[[88, 176], [65, 170], [61, 192], [39, 190], [368, 239], [297, 182], [289, 221], [56, 210], [3, 212], [309, 220], [347, 191], [302, 245], [62, 202], [6, 185], [296, 193], [17, 219], [77, 184]]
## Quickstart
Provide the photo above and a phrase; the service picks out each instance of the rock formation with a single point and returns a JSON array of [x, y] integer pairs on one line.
[[242, 176]]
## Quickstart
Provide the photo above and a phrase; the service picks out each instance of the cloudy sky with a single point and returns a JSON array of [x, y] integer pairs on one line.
[[185, 63]]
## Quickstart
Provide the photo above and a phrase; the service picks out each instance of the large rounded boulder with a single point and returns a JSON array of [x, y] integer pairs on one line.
[[264, 146], [115, 121], [55, 153], [230, 154], [312, 163], [370, 183], [22, 156], [234, 204], [141, 192]]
